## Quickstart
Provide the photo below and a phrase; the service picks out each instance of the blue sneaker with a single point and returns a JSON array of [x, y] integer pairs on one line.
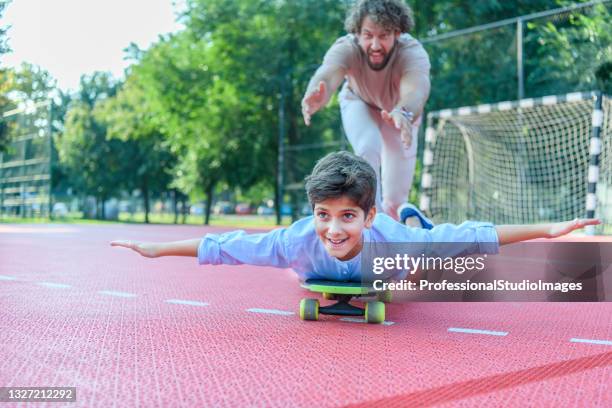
[[414, 216]]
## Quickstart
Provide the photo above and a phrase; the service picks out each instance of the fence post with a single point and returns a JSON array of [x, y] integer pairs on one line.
[[281, 153], [519, 59], [594, 152]]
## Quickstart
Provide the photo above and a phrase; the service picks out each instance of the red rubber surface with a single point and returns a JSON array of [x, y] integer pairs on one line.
[[143, 351]]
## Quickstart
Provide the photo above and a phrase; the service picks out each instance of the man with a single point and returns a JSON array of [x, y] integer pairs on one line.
[[381, 103]]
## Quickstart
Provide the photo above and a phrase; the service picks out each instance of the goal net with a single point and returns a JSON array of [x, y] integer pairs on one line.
[[533, 160]]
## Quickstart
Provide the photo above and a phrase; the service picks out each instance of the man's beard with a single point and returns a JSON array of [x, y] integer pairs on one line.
[[385, 61]]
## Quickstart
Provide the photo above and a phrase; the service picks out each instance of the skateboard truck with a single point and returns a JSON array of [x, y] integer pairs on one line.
[[342, 292]]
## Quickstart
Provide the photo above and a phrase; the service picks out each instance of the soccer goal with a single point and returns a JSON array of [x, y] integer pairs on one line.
[[527, 161]]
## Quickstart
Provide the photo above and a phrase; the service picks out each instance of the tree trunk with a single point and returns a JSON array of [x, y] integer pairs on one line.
[[145, 198], [103, 203], [175, 206], [209, 195]]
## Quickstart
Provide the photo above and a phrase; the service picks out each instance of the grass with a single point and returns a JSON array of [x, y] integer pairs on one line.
[[235, 221]]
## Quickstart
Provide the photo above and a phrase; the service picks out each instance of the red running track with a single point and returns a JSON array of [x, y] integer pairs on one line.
[[76, 312]]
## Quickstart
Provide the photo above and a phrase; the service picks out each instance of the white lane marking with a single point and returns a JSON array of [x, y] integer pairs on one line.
[[114, 293], [602, 342], [271, 311], [186, 302], [54, 285], [356, 320], [477, 331], [5, 277]]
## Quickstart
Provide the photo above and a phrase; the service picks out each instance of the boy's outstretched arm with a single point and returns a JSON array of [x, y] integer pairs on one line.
[[509, 234], [157, 249]]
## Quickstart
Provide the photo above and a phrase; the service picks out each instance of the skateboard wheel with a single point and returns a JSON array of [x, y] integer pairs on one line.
[[375, 312], [309, 309], [385, 296]]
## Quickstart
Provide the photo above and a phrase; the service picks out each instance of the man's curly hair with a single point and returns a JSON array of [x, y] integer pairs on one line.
[[389, 14]]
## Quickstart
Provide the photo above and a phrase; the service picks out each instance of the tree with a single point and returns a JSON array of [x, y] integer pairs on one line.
[[128, 118], [5, 85], [227, 76], [95, 164]]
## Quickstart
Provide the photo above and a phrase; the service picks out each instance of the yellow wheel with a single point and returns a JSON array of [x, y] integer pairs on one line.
[[309, 309], [375, 312]]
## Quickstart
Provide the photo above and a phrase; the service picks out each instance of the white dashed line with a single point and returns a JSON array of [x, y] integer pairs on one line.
[[8, 278], [271, 311], [186, 302], [54, 285], [119, 294], [476, 331], [602, 342], [356, 320]]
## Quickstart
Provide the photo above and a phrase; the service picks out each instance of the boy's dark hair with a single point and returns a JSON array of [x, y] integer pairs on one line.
[[342, 174]]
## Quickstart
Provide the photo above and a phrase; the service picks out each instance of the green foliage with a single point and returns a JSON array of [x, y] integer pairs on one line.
[[128, 118], [200, 108], [5, 85], [95, 164], [560, 52], [604, 77]]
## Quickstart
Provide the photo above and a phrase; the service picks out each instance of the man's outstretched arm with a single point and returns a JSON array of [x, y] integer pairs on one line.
[[321, 87]]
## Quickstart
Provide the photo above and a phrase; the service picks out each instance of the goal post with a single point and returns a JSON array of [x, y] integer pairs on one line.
[[526, 161]]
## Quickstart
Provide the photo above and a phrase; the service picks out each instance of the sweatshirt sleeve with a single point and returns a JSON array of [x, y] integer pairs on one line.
[[470, 237], [238, 247], [339, 54]]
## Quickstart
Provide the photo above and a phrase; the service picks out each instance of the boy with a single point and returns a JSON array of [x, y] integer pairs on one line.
[[341, 190]]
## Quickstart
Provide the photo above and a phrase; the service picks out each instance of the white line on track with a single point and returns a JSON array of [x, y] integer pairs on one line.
[[477, 331], [8, 278], [54, 285], [356, 320], [602, 342], [186, 302], [271, 311], [114, 293]]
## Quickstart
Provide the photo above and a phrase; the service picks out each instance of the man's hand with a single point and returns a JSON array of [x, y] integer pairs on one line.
[[402, 121], [314, 100], [558, 229], [147, 249]]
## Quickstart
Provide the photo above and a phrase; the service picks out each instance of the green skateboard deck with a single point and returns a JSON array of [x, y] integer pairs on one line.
[[337, 288], [342, 292]]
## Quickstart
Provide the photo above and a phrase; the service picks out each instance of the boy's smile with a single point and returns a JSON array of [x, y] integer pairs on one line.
[[339, 224]]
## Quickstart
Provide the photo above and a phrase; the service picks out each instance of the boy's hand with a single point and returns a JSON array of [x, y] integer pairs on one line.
[[402, 121], [561, 228], [147, 249], [313, 101]]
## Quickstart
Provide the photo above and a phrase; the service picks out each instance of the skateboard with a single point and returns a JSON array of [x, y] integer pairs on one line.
[[343, 292]]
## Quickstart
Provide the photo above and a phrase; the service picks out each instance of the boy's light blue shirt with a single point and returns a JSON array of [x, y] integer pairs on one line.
[[298, 246]]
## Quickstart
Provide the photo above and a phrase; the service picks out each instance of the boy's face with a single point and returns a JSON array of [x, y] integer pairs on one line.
[[339, 223]]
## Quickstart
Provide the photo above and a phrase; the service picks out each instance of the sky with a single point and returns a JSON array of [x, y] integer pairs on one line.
[[69, 38]]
